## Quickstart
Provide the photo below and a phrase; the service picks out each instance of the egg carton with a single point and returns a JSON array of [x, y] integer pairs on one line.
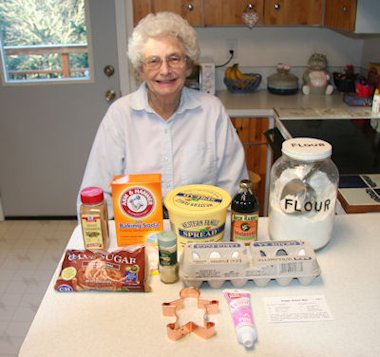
[[218, 262]]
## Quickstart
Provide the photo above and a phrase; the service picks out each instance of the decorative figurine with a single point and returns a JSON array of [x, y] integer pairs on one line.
[[316, 78]]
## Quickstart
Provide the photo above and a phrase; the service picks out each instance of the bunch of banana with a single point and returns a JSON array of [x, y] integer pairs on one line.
[[234, 73]]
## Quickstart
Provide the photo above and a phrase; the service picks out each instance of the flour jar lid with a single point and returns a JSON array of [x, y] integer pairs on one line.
[[307, 149]]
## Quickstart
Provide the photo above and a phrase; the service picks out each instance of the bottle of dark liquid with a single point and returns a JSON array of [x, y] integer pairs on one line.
[[244, 214]]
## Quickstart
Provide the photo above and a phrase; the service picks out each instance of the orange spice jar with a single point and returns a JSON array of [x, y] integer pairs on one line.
[[94, 218]]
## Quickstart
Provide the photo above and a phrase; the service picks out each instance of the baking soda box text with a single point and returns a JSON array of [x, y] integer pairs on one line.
[[137, 205]]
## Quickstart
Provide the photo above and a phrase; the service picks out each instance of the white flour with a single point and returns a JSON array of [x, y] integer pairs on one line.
[[314, 226]]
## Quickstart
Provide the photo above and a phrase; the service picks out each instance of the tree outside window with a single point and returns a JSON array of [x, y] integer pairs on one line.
[[43, 40]]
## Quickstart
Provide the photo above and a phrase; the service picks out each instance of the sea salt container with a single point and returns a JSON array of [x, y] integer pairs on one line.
[[308, 216]]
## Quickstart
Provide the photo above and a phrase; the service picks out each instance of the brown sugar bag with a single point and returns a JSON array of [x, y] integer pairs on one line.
[[120, 270]]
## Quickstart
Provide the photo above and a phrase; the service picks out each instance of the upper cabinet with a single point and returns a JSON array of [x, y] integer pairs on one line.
[[191, 10], [293, 12], [231, 12], [340, 14], [357, 16]]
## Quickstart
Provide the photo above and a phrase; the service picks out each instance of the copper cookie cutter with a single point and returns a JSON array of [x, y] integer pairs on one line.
[[175, 331]]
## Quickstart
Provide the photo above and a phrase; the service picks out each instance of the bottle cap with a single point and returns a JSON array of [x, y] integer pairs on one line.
[[306, 149], [247, 336], [246, 184], [167, 239], [91, 195]]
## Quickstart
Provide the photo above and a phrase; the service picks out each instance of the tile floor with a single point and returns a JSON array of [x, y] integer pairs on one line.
[[29, 253]]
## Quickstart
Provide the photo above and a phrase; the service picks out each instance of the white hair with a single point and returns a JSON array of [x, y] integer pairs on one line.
[[162, 23]]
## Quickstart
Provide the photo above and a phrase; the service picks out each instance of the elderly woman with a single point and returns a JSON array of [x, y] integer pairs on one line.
[[164, 127]]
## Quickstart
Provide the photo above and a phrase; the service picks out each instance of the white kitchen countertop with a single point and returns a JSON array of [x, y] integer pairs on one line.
[[131, 324], [264, 104]]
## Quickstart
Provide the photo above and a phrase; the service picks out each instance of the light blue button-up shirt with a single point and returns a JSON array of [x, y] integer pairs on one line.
[[196, 145]]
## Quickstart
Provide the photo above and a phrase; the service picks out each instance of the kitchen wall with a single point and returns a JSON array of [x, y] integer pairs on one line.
[[371, 51], [260, 49]]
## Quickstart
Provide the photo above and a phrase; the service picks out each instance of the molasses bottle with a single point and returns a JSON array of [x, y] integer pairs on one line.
[[244, 214]]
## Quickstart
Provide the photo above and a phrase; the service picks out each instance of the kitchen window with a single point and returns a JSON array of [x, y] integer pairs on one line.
[[44, 41]]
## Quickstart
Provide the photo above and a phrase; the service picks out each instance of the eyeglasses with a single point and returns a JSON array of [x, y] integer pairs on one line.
[[173, 61]]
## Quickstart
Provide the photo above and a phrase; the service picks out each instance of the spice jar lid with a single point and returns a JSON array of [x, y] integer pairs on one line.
[[307, 149], [167, 239], [92, 195]]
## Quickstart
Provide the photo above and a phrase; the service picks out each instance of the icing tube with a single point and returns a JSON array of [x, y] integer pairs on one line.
[[239, 302]]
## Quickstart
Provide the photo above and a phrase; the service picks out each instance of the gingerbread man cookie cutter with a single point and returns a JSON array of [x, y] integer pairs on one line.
[[175, 331]]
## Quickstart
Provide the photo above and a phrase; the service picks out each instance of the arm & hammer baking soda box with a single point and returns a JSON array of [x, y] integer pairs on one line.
[[137, 204]]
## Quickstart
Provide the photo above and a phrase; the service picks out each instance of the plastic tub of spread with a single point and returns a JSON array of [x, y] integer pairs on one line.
[[197, 213], [261, 262]]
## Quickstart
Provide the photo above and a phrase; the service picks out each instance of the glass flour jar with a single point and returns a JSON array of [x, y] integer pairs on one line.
[[309, 215]]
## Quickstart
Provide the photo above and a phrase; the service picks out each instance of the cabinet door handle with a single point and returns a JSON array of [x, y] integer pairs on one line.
[[277, 6], [190, 7], [250, 17]]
